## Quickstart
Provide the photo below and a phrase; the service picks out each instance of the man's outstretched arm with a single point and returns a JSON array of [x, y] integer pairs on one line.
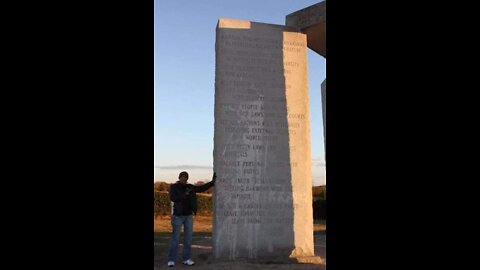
[[206, 186]]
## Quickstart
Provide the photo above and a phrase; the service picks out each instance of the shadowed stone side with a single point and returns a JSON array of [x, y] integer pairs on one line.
[[313, 22], [324, 113]]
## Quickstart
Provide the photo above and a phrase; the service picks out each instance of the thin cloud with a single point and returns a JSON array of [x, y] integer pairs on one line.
[[318, 162]]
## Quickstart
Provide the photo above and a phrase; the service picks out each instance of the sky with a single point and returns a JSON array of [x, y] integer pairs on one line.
[[184, 37]]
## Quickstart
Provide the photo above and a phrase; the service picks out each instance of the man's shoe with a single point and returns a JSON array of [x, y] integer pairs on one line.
[[188, 262], [171, 264]]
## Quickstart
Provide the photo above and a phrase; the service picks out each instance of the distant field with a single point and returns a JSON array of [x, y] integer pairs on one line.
[[200, 224]]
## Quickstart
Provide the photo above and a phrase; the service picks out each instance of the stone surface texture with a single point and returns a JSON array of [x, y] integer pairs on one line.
[[263, 195], [324, 112], [312, 21]]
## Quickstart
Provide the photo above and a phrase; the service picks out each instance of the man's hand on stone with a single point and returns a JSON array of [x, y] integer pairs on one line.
[[214, 177]]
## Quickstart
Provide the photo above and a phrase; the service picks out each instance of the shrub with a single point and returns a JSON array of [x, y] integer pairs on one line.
[[162, 204], [161, 186], [319, 191], [204, 205], [319, 209]]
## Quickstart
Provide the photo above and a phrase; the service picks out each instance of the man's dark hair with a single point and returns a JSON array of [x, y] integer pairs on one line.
[[183, 174]]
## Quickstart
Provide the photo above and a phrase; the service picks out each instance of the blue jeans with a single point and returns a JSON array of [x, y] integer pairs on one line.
[[177, 222]]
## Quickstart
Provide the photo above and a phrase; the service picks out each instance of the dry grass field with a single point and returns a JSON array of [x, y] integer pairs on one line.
[[200, 224]]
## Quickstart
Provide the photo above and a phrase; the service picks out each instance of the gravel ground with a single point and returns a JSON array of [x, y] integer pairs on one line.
[[202, 254]]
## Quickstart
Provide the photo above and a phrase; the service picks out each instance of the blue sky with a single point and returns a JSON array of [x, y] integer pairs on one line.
[[184, 82]]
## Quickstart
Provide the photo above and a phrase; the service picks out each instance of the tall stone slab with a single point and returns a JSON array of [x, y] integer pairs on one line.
[[263, 194], [312, 21], [324, 113]]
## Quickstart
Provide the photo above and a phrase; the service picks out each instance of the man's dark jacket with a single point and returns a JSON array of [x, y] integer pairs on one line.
[[183, 204]]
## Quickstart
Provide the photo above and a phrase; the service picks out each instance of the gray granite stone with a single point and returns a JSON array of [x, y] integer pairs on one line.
[[263, 194], [312, 21], [324, 113]]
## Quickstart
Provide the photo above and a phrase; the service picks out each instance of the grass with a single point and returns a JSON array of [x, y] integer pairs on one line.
[[200, 224]]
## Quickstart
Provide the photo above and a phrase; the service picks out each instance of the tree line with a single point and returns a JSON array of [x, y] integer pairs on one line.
[[163, 186], [162, 204]]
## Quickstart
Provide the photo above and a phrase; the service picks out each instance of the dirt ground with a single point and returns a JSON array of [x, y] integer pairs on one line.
[[202, 249]]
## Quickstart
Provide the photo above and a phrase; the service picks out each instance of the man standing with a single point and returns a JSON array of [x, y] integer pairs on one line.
[[184, 200]]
